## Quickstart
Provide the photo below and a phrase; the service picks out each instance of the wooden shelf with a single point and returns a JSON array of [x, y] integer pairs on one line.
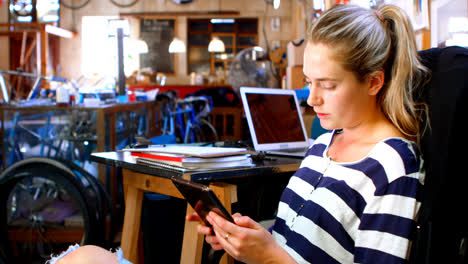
[[241, 28]]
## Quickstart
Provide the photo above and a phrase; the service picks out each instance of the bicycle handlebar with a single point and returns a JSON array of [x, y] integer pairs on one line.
[[207, 104]]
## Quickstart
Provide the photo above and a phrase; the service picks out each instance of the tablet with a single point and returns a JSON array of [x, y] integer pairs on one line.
[[201, 198]]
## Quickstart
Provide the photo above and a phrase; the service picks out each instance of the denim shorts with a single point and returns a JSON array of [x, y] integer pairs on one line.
[[118, 253]]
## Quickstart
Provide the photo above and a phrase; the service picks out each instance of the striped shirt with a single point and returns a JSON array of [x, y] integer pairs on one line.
[[356, 212]]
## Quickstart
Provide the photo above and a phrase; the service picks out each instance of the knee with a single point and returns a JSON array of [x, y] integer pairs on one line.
[[89, 254]]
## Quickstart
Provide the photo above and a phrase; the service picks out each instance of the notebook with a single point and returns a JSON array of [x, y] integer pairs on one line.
[[275, 121]]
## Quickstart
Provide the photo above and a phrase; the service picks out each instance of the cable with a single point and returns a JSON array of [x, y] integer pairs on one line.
[[124, 5], [62, 3]]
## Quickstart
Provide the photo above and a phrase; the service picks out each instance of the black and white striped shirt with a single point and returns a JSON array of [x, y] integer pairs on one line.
[[357, 212]]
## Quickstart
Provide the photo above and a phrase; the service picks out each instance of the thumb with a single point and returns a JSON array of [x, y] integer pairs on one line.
[[246, 221]]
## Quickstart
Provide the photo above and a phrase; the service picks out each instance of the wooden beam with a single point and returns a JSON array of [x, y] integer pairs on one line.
[[57, 31], [209, 14], [44, 51]]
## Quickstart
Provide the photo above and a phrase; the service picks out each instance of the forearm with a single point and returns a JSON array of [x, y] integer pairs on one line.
[[279, 255]]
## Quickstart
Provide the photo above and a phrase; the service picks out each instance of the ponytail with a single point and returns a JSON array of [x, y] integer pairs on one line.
[[405, 73]]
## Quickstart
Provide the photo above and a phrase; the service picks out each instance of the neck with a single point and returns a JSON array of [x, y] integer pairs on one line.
[[371, 129]]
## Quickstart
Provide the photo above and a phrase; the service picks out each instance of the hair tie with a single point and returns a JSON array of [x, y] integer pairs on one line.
[[379, 15]]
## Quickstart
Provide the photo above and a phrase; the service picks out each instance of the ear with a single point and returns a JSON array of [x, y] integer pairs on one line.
[[376, 82]]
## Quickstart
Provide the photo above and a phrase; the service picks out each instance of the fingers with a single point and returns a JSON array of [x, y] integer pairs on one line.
[[246, 221], [194, 217], [214, 242], [221, 223], [236, 215], [204, 230]]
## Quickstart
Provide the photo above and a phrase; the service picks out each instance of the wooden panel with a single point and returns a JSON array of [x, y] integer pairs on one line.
[[58, 236], [228, 122]]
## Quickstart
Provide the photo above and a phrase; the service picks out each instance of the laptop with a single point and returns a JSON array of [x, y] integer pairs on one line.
[[275, 121]]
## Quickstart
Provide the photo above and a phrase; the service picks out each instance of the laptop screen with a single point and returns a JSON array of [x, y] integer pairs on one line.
[[274, 118]]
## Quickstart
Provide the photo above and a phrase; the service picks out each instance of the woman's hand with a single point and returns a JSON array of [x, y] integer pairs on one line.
[[205, 230], [246, 240]]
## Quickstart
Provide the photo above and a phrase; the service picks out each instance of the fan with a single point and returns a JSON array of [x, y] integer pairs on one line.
[[250, 69]]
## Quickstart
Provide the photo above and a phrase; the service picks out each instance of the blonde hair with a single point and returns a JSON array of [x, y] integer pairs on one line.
[[365, 41]]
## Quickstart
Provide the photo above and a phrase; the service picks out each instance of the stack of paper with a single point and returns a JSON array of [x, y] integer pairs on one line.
[[192, 157]]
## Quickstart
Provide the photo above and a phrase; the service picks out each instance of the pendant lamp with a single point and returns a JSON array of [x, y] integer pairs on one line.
[[276, 4], [216, 45], [177, 46]]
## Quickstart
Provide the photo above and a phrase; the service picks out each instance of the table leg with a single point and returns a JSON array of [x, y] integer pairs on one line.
[[192, 245], [131, 227], [227, 194]]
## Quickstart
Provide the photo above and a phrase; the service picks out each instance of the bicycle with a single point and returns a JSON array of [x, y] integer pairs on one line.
[[50, 201], [186, 120]]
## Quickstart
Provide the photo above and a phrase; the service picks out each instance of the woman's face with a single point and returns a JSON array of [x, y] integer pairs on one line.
[[336, 95]]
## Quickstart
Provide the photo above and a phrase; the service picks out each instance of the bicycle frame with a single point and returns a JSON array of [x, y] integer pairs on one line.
[[185, 116], [34, 89]]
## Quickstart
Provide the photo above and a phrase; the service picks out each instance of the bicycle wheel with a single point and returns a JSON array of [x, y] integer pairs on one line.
[[45, 211], [208, 131], [203, 132]]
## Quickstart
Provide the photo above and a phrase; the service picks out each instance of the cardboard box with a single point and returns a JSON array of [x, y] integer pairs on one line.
[[296, 53], [295, 77]]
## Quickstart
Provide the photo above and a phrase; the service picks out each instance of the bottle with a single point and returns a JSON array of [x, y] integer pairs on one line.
[[283, 82], [62, 96]]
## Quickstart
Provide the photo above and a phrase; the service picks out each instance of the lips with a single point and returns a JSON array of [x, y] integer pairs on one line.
[[321, 116]]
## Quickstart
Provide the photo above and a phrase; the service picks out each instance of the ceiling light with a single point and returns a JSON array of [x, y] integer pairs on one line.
[[222, 21], [216, 45], [177, 46], [139, 46], [276, 4]]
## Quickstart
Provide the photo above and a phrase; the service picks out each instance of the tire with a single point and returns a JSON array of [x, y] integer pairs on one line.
[[208, 131], [43, 201], [205, 132]]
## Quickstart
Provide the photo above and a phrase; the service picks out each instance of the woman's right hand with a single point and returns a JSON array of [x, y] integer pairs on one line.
[[210, 237]]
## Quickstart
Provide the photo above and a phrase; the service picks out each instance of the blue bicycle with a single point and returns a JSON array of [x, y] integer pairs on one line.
[[186, 120]]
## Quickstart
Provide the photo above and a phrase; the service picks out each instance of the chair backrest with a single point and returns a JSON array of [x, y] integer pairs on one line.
[[442, 233]]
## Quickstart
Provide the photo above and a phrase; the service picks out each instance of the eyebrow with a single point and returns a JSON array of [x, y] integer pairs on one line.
[[322, 79]]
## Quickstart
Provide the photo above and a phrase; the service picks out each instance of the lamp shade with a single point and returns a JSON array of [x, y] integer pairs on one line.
[[276, 4], [177, 46], [140, 46], [216, 45]]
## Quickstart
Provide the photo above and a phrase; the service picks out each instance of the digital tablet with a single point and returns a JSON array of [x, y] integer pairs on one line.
[[201, 198]]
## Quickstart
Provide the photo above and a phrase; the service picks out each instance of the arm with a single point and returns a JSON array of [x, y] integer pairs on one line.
[[387, 223], [247, 240]]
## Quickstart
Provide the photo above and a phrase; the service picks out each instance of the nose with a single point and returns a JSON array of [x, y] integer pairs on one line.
[[314, 98]]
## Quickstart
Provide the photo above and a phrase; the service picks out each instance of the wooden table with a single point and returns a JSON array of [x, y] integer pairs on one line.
[[139, 178]]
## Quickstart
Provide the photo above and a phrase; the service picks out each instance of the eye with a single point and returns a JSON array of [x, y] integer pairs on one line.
[[327, 84]]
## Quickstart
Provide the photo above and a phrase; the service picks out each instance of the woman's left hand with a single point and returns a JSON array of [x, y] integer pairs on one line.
[[246, 240]]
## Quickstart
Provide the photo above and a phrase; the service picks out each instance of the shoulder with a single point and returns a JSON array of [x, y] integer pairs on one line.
[[398, 156]]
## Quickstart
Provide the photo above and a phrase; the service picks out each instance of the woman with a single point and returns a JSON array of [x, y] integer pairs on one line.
[[356, 195]]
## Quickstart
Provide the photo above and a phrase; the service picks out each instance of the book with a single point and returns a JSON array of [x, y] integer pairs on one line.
[[182, 159], [196, 165], [192, 151]]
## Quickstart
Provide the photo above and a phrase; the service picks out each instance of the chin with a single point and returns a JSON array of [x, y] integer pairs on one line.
[[326, 126]]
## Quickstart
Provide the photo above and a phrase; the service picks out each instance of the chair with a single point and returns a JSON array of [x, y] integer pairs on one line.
[[442, 232]]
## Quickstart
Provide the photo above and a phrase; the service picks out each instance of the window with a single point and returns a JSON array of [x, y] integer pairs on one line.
[[99, 47]]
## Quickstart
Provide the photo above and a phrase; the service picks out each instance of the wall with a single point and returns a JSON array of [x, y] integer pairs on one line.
[[291, 14], [71, 48], [441, 10]]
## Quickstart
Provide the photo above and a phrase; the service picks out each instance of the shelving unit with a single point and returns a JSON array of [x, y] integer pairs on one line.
[[238, 35]]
